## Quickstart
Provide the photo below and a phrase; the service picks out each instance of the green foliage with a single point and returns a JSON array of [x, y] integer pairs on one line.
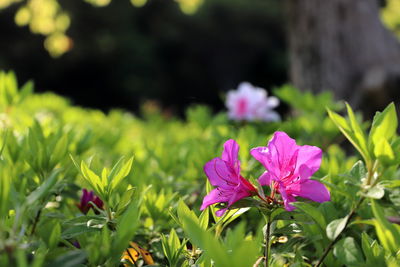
[[235, 250], [173, 248], [104, 184], [51, 150], [352, 130], [348, 253]]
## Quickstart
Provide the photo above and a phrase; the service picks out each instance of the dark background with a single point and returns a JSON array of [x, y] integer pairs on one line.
[[123, 55]]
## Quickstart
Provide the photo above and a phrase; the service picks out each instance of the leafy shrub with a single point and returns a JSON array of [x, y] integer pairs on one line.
[[149, 174]]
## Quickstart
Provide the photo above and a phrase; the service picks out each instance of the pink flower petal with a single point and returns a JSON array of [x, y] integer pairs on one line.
[[220, 212], [215, 196], [261, 154], [230, 155], [311, 189], [265, 179], [279, 158], [287, 199], [284, 148], [238, 195], [220, 174], [304, 173], [310, 156]]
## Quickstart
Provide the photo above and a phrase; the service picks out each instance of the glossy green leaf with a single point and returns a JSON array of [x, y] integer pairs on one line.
[[384, 125], [313, 212], [121, 174], [348, 252], [376, 192], [354, 135], [336, 227], [74, 231], [383, 150]]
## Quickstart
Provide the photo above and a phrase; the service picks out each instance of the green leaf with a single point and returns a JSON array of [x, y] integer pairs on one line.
[[40, 256], [358, 171], [172, 247], [126, 227], [277, 212], [43, 189], [204, 219], [5, 188], [373, 253], [25, 91], [387, 233], [184, 211], [77, 230], [356, 138], [60, 149], [357, 131], [376, 192], [69, 259], [366, 246], [20, 256], [348, 252], [383, 150], [93, 179], [121, 174], [173, 239], [203, 239], [125, 199], [384, 125], [55, 235], [313, 212], [336, 227]]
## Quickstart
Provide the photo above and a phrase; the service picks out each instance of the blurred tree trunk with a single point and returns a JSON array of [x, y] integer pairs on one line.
[[341, 45]]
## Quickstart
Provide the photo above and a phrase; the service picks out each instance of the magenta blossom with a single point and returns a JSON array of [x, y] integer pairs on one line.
[[289, 168], [224, 174], [84, 206]]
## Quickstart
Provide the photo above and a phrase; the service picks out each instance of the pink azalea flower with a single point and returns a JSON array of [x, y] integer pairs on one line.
[[289, 168], [251, 103], [224, 174], [84, 206]]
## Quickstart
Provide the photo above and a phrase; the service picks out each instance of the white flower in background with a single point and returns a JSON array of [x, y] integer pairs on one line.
[[251, 103]]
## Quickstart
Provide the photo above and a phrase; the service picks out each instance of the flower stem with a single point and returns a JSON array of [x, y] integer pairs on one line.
[[350, 216], [267, 241]]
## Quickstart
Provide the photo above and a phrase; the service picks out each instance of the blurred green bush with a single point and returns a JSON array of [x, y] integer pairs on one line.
[[50, 150]]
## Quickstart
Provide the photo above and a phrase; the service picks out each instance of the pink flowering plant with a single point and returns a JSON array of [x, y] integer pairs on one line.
[[289, 168], [249, 103], [224, 174]]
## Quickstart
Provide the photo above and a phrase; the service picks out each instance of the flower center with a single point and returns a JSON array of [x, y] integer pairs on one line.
[[241, 107]]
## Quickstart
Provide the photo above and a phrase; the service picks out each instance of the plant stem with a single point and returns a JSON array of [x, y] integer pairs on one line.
[[267, 239], [35, 222], [350, 216], [109, 213]]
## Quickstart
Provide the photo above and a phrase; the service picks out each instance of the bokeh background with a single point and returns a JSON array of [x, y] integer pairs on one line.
[[118, 54]]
